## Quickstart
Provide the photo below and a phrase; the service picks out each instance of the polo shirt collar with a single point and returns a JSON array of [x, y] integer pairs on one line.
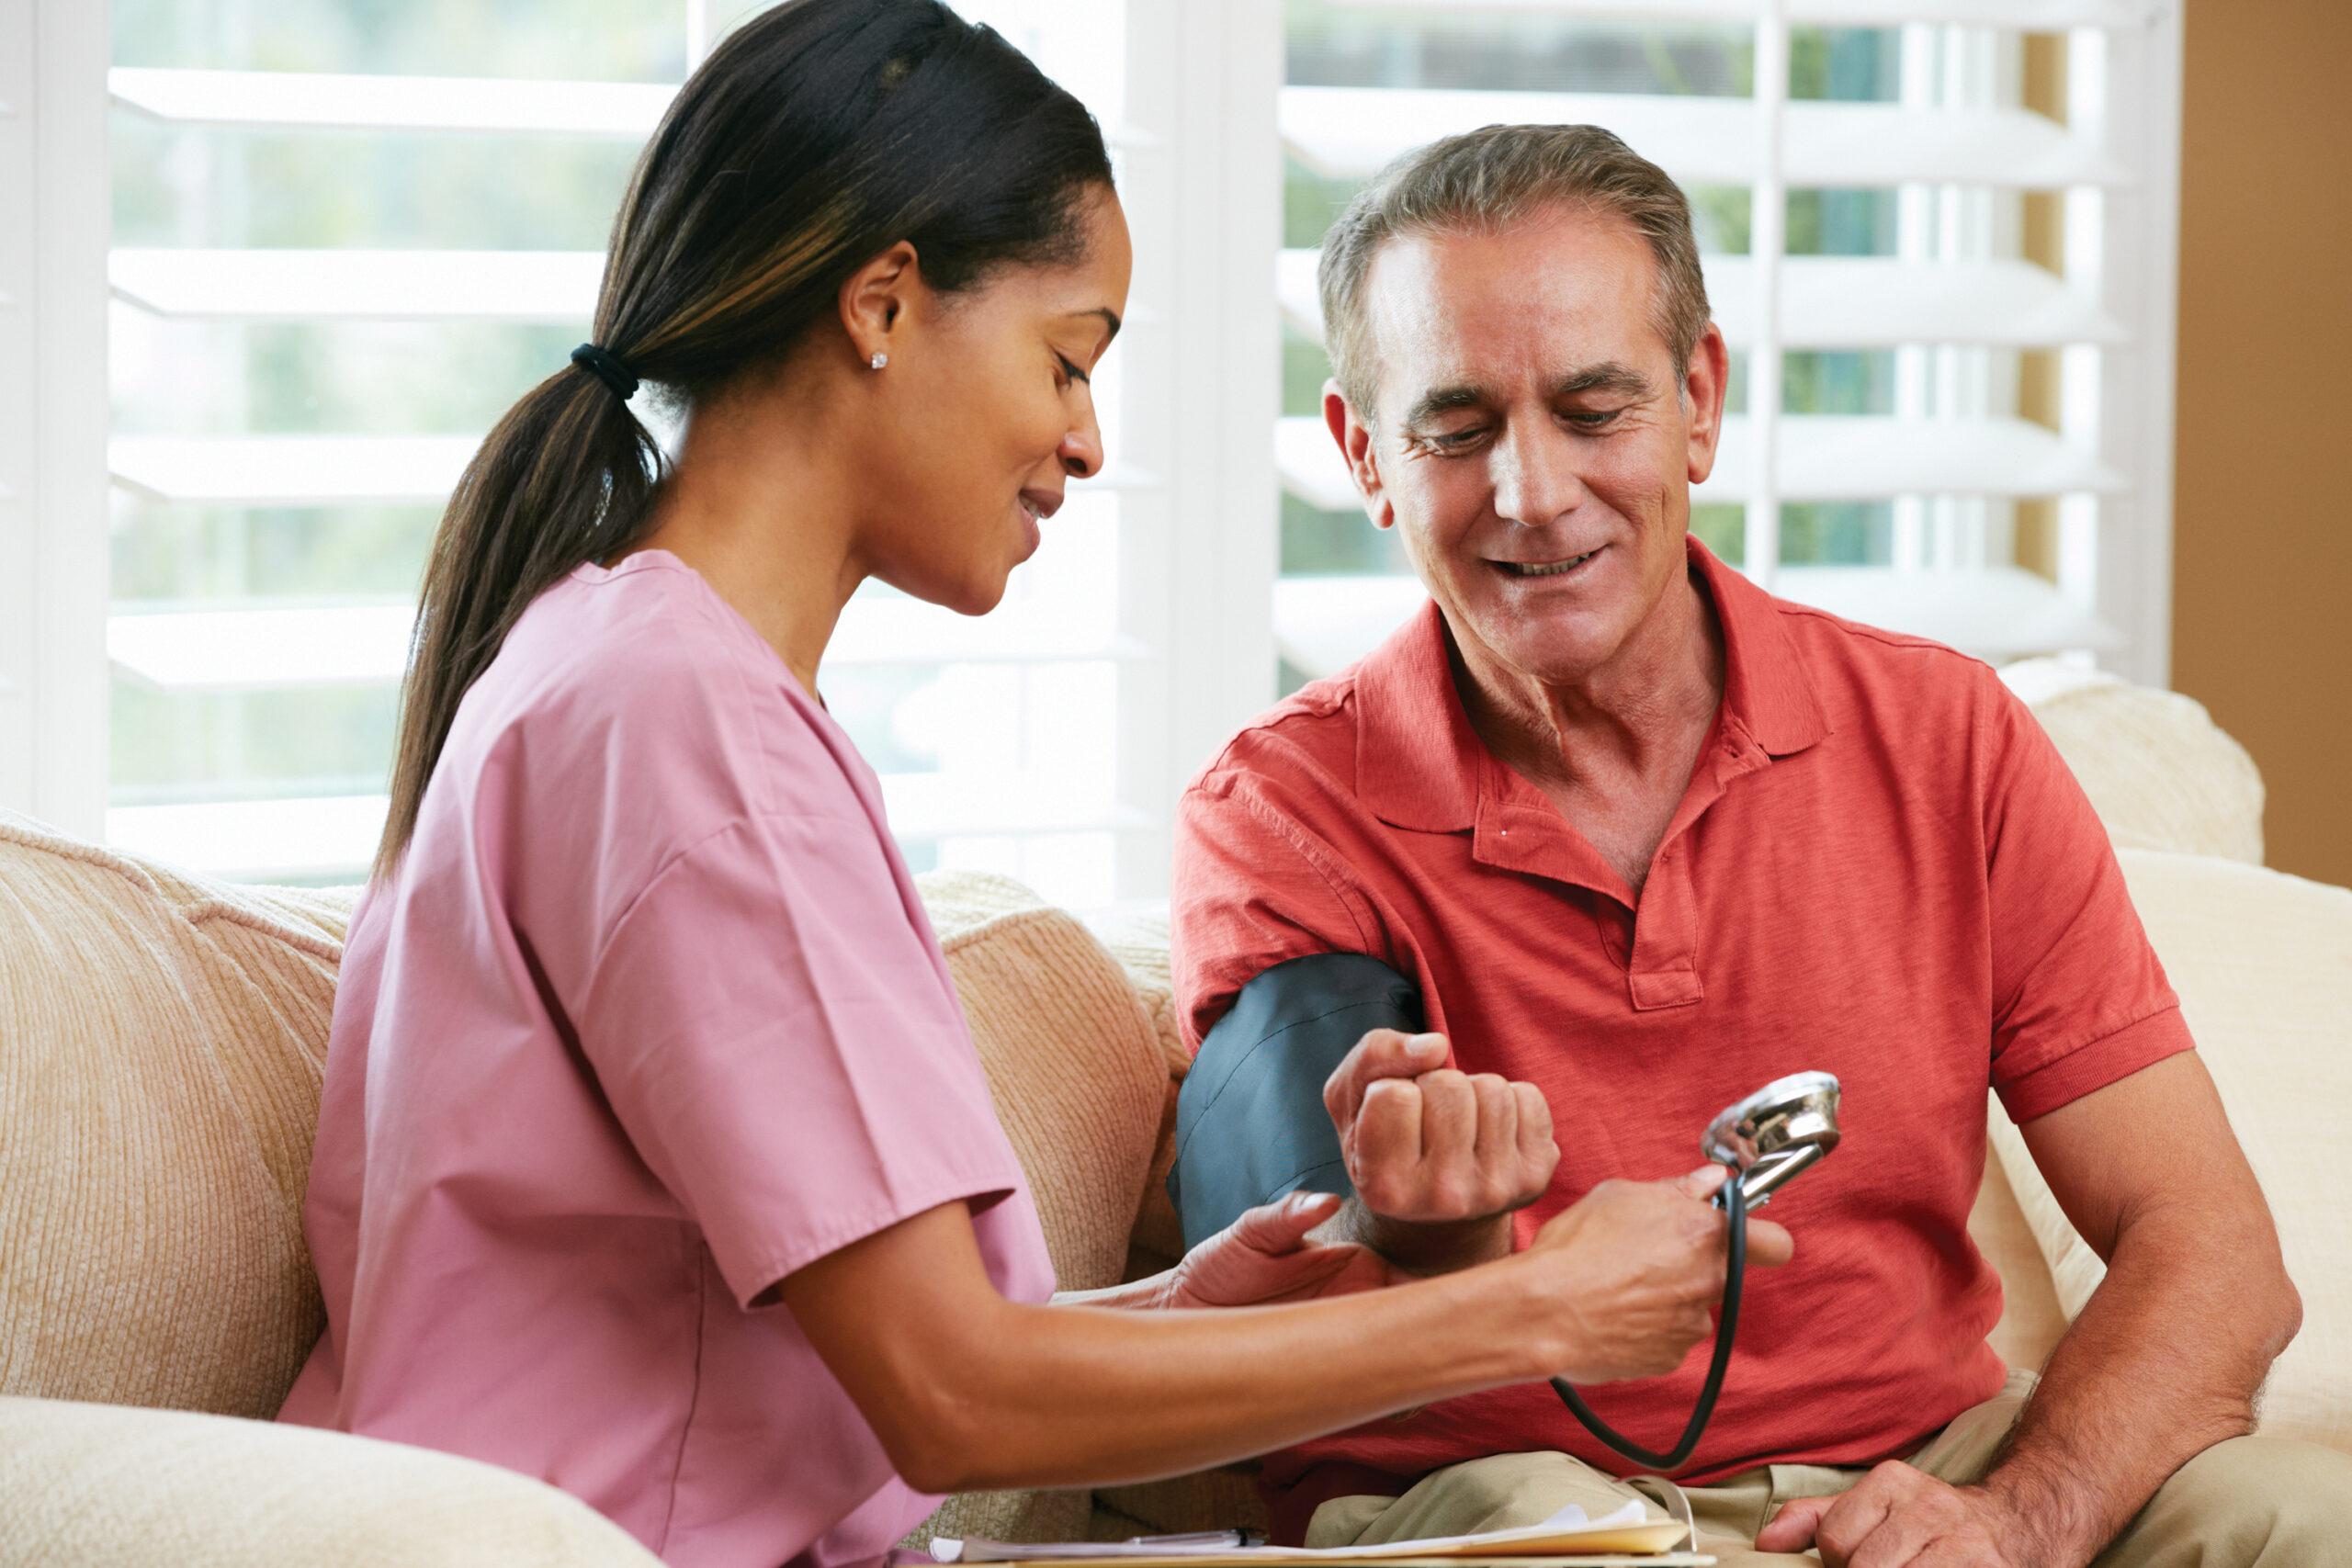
[[1418, 762]]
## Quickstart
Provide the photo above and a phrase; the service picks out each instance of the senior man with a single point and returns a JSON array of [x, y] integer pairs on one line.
[[1612, 837]]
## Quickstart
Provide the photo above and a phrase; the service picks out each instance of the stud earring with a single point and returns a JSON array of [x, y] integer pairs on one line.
[[879, 359]]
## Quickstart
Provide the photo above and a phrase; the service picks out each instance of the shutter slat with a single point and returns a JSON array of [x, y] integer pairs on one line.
[[304, 100], [332, 470], [335, 836], [290, 285], [319, 101], [1324, 624], [1850, 302], [1347, 132], [282, 649], [2033, 16]]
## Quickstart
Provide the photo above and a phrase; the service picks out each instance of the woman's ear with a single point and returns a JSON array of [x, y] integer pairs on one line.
[[874, 301]]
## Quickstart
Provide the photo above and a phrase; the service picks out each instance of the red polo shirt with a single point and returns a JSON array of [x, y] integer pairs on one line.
[[1881, 869]]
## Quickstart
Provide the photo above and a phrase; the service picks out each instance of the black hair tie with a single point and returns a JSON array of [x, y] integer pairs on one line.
[[608, 368]]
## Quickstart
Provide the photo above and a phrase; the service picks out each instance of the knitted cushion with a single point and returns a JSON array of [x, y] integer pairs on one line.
[[2161, 773], [1071, 1056], [1137, 936], [161, 1039], [2263, 963]]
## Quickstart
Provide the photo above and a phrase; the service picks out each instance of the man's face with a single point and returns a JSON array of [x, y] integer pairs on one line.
[[1531, 440]]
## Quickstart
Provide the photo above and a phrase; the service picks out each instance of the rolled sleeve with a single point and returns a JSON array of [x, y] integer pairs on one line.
[[783, 1050], [2079, 998]]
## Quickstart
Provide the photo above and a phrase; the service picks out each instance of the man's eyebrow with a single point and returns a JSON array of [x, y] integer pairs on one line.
[[1609, 376], [1444, 399]]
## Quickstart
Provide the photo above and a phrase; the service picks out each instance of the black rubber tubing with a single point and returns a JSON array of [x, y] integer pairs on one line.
[[1735, 1207]]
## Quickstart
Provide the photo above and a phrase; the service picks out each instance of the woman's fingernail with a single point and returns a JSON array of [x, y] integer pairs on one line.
[[1425, 1044]]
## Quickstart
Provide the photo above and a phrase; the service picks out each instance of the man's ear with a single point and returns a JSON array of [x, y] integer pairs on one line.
[[1704, 385], [874, 301], [1361, 452]]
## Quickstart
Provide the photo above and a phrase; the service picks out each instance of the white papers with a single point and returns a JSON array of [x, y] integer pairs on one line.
[[1568, 1522]]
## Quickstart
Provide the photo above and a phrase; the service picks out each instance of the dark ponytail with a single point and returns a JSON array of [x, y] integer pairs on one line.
[[814, 138]]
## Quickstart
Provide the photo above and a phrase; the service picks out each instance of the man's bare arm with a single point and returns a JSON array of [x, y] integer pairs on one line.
[[2163, 1362], [2166, 1357], [1426, 1247]]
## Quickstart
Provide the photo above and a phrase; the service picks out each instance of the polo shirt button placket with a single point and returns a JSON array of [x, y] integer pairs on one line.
[[1665, 970]]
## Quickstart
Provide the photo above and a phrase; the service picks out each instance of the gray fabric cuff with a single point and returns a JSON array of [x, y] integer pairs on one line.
[[1250, 1124]]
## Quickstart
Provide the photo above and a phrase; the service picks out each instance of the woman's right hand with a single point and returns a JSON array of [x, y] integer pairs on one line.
[[1636, 1269]]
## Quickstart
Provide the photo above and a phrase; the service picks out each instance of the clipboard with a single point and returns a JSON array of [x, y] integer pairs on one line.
[[1628, 1536]]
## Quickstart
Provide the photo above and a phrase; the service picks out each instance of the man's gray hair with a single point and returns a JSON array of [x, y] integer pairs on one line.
[[1481, 182]]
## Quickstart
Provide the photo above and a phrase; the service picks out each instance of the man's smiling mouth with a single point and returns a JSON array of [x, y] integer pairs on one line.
[[1548, 568]]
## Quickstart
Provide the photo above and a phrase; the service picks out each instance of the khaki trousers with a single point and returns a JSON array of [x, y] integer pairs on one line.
[[2246, 1501]]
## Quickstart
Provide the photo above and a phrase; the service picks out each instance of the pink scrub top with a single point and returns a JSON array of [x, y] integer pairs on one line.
[[647, 1018]]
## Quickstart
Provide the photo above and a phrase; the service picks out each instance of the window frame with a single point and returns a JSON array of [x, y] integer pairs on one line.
[[54, 227]]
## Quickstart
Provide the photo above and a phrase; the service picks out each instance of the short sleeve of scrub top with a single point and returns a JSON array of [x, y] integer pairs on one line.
[[767, 1027]]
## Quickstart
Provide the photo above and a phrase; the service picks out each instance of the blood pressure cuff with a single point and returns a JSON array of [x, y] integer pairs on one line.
[[1251, 1125]]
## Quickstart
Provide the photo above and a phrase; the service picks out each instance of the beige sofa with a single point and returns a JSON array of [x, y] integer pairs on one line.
[[160, 1040]]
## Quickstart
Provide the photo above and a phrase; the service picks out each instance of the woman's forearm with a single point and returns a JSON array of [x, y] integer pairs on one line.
[[969, 1391], [1080, 1394]]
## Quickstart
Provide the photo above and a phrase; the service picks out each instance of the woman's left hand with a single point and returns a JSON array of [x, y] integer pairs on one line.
[[1264, 1257]]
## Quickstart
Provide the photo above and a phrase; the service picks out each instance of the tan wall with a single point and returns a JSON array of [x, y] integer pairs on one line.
[[2262, 594]]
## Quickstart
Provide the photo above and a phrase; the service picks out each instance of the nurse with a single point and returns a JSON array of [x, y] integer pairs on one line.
[[654, 1159]]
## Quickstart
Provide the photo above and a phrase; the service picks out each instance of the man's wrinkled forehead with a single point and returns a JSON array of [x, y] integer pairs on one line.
[[1560, 288]]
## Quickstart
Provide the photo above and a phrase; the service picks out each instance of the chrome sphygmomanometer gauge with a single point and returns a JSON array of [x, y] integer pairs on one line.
[[1775, 1133]]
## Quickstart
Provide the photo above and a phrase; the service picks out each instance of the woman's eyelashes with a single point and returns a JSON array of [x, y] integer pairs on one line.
[[1070, 372]]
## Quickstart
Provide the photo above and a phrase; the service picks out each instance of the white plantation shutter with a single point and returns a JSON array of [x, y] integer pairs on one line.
[[1938, 234], [253, 701], [2007, 487]]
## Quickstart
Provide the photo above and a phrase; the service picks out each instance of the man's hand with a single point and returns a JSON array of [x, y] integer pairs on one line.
[[1897, 1516], [1426, 1145], [1264, 1256]]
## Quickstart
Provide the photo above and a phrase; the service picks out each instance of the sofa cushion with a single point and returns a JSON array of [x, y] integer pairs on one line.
[[2263, 963], [161, 1038], [2160, 772], [1072, 1061], [1136, 935], [100, 1486]]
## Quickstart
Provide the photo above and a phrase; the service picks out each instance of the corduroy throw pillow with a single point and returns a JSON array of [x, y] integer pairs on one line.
[[2160, 772], [1072, 1060], [160, 1041]]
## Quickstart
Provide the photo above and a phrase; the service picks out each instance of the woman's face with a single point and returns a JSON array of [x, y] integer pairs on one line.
[[990, 414]]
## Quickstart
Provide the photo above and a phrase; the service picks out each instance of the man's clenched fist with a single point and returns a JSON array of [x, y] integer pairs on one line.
[[1425, 1144]]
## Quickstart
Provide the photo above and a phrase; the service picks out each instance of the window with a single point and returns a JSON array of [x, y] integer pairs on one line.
[[339, 237], [1938, 244], [344, 240]]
